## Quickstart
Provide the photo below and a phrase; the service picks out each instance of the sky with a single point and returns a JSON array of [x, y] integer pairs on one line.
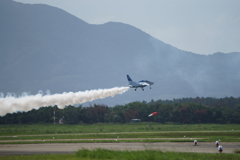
[[199, 26]]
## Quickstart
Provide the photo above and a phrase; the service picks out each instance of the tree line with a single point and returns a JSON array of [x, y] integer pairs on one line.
[[184, 111]]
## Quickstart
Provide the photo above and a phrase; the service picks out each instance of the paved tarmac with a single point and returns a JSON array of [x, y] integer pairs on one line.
[[70, 148]]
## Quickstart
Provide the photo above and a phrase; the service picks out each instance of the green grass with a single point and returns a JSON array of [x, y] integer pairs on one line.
[[99, 154], [109, 128], [38, 133], [123, 132], [149, 155], [173, 134], [121, 141]]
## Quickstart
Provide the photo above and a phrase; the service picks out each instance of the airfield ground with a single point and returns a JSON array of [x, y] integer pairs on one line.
[[65, 148], [176, 138]]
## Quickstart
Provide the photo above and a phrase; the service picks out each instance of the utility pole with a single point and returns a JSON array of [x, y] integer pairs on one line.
[[54, 117]]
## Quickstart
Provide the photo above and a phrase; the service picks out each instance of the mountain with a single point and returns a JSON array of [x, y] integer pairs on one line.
[[46, 48]]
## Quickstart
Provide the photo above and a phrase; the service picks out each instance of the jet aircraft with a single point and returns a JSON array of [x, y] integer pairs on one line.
[[139, 84]]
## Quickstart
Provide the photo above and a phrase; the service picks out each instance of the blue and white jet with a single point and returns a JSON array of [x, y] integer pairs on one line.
[[139, 84]]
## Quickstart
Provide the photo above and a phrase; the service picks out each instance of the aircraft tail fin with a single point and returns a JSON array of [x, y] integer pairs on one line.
[[129, 79]]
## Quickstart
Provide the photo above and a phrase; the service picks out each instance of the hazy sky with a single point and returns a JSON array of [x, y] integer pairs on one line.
[[199, 26]]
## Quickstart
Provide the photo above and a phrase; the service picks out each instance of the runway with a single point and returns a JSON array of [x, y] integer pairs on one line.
[[70, 148]]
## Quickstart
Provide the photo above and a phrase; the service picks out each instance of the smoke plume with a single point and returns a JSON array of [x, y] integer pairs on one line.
[[11, 104]]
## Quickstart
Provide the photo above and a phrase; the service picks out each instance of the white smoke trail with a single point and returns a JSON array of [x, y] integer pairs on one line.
[[11, 104]]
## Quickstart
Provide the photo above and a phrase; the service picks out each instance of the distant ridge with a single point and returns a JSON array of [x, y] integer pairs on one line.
[[46, 48]]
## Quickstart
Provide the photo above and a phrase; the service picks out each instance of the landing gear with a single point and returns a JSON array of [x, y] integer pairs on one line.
[[142, 89], [135, 89], [150, 87]]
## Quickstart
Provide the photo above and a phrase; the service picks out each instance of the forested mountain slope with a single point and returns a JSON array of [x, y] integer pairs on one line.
[[44, 47]]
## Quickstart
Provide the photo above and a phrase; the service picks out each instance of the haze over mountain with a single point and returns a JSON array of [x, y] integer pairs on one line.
[[46, 48]]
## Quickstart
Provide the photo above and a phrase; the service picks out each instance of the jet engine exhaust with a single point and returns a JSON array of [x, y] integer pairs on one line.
[[11, 104]]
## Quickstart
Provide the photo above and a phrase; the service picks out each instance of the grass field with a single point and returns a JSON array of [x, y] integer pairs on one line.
[[17, 134], [37, 129], [229, 136], [100, 154], [145, 132]]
